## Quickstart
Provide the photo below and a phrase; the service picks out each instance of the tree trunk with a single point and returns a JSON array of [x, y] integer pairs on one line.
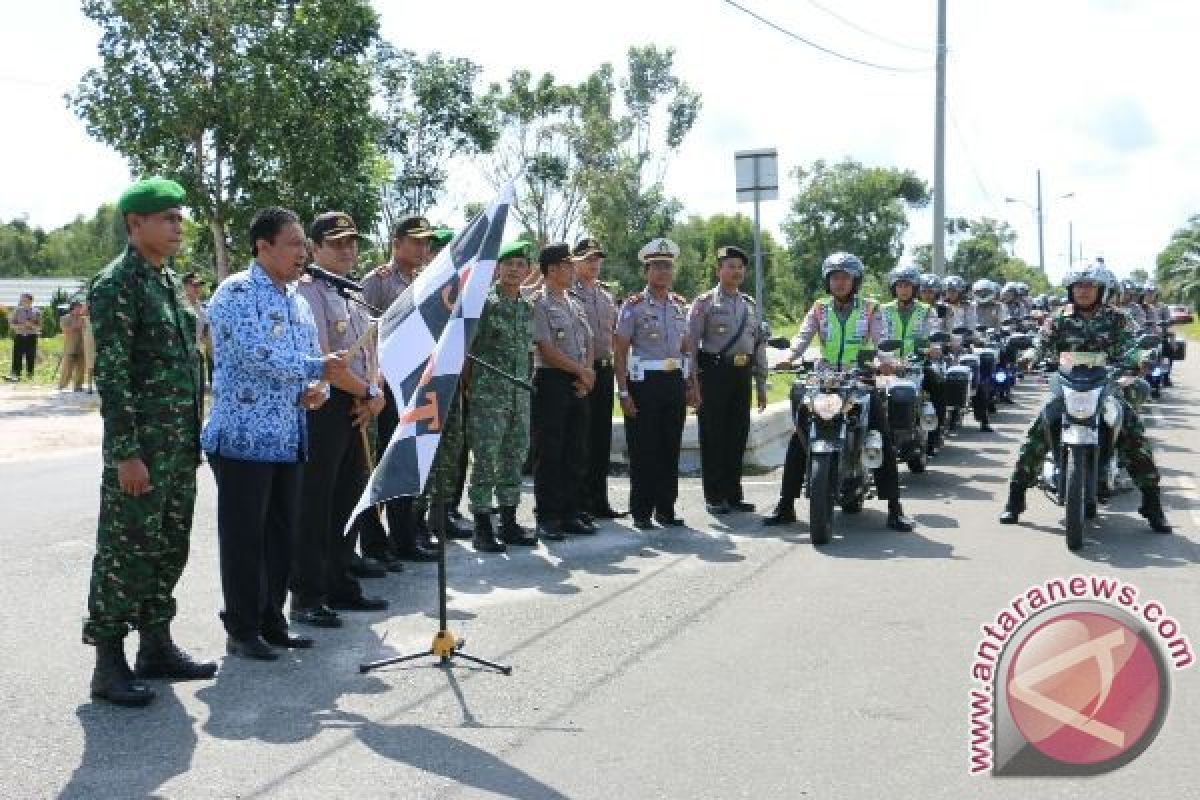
[[217, 226]]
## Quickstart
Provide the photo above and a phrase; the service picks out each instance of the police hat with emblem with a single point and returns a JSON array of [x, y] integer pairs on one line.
[[443, 236], [332, 225], [660, 249], [586, 248], [414, 226], [552, 254], [729, 251]]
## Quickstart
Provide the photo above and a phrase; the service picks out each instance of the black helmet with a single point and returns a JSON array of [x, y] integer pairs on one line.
[[843, 262], [910, 274]]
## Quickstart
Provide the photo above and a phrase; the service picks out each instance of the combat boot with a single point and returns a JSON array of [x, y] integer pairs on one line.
[[1015, 505], [896, 519], [1152, 510], [511, 531], [112, 679], [784, 513], [159, 657], [483, 537]]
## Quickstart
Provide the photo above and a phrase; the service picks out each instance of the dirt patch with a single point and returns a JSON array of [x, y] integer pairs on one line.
[[36, 422]]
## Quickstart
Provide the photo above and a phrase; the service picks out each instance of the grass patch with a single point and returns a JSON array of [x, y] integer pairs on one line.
[[1191, 331]]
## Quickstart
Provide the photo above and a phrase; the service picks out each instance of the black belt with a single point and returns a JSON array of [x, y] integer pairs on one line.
[[738, 360], [601, 363]]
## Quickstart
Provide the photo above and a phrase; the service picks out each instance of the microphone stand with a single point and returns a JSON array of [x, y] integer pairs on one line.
[[446, 646]]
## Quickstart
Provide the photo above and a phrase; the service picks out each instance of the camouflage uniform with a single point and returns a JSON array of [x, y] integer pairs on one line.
[[1109, 331], [147, 372], [498, 419], [442, 484]]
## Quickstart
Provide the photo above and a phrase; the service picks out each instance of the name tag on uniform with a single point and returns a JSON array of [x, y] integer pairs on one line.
[[340, 325], [670, 364], [741, 360]]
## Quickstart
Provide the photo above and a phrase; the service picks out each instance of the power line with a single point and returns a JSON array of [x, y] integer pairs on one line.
[[861, 29], [822, 48]]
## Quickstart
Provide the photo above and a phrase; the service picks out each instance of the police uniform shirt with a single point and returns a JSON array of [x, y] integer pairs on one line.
[[655, 328], [962, 315], [716, 317], [381, 290], [26, 320], [340, 323], [560, 321], [601, 315]]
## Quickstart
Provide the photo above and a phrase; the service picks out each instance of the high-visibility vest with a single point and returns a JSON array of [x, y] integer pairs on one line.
[[841, 341], [906, 328]]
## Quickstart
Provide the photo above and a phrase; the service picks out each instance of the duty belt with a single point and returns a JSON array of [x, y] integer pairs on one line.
[[735, 359], [638, 367]]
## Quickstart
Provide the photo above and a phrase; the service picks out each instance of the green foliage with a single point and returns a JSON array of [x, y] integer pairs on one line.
[[981, 250], [5, 327], [1177, 270], [432, 113], [247, 103], [849, 207], [79, 249]]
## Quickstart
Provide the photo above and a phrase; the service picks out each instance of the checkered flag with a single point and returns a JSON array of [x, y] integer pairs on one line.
[[424, 337]]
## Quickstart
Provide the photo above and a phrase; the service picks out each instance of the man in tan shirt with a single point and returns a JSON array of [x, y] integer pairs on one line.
[[73, 359]]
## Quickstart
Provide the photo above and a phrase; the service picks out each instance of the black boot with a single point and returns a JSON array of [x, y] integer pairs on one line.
[[1152, 510], [159, 657], [1015, 505], [112, 679], [784, 513], [511, 531], [458, 527], [406, 540], [896, 519], [483, 538]]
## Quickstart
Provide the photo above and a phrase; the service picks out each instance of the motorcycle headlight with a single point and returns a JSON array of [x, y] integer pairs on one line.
[[827, 406], [1112, 411], [1081, 405], [1001, 376]]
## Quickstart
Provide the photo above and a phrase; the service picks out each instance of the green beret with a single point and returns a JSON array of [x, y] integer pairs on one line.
[[443, 236], [519, 248], [150, 195]]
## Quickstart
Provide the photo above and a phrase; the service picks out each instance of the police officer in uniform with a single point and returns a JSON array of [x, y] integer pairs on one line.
[[562, 378], [410, 251], [961, 314], [729, 349], [650, 359], [912, 321], [844, 323], [602, 316], [336, 471], [1086, 324]]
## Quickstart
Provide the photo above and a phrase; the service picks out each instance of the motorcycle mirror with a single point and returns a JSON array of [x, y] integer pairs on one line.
[[941, 337], [890, 345], [779, 342]]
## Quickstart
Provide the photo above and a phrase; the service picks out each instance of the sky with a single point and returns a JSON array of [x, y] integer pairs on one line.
[[1094, 93]]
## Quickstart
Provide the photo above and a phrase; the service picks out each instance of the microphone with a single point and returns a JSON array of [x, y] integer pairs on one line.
[[336, 281]]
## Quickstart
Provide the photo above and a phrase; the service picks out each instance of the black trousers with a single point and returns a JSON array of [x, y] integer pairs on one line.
[[935, 384], [560, 447], [599, 438], [400, 510], [258, 504], [334, 478], [24, 350], [652, 437], [887, 476], [724, 424]]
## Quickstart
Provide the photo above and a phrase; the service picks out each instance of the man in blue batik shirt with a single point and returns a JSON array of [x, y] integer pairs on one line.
[[268, 372]]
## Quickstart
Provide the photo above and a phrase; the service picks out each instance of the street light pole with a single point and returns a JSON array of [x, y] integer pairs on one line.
[[939, 148], [1070, 244]]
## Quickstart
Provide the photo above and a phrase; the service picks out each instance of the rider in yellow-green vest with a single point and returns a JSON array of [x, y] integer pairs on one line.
[[845, 324], [908, 319]]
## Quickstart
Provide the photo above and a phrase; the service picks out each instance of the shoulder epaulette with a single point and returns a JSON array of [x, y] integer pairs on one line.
[[747, 298]]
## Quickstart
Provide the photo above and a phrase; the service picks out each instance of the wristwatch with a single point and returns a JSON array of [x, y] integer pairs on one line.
[[623, 394], [372, 391]]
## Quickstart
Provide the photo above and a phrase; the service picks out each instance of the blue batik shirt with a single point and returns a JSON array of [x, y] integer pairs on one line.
[[265, 353]]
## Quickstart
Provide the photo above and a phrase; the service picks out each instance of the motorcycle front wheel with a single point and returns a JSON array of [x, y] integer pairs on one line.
[[820, 498], [1076, 495]]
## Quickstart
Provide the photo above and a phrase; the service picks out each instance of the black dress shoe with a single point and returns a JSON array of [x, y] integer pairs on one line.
[[578, 526], [386, 559], [364, 567], [254, 648], [360, 603], [740, 505], [318, 617], [784, 514], [671, 521], [288, 641], [986, 428], [550, 531], [717, 509], [896, 519], [644, 524], [417, 552], [608, 512]]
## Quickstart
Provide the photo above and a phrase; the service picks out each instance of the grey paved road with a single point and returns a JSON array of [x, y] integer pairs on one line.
[[719, 662]]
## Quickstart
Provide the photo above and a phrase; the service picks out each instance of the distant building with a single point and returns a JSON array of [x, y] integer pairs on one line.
[[42, 289]]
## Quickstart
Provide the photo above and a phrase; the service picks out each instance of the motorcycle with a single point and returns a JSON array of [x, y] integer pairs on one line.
[[831, 410], [911, 417], [1082, 432], [962, 378]]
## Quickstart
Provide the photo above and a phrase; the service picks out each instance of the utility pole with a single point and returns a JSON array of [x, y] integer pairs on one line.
[[1070, 244], [1041, 242], [939, 149]]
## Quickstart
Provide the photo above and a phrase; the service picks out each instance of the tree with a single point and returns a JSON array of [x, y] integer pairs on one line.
[[850, 207], [980, 249], [432, 113], [19, 246], [247, 103], [1178, 265]]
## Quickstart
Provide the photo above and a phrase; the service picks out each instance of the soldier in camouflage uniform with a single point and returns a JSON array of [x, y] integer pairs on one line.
[[498, 412], [147, 372], [1087, 325]]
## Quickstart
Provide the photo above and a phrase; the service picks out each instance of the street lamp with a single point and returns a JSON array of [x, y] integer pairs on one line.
[[1038, 209]]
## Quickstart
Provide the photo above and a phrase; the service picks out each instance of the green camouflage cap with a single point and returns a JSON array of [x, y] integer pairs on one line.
[[151, 195]]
